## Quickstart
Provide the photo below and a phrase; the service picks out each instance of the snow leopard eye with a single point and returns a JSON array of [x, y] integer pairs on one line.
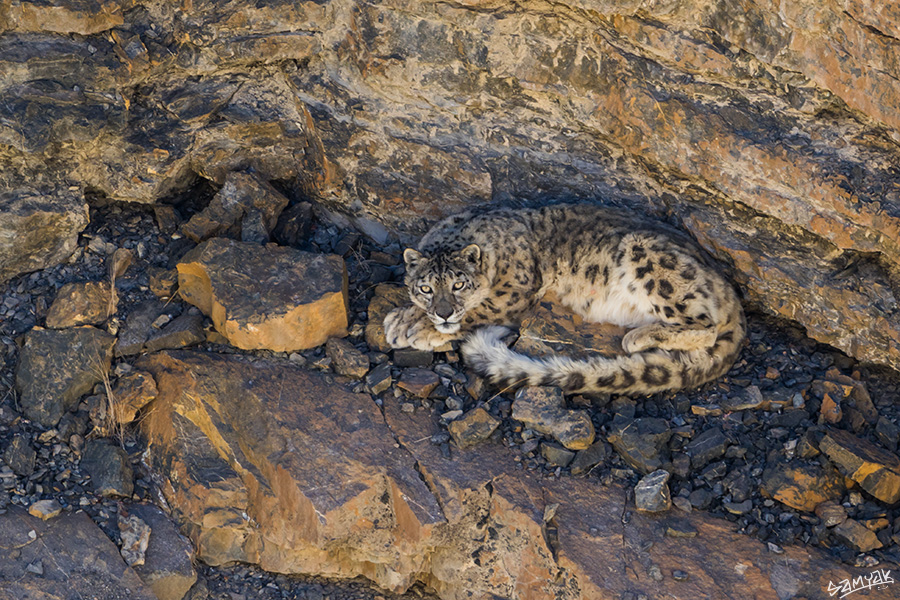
[[459, 285], [425, 289]]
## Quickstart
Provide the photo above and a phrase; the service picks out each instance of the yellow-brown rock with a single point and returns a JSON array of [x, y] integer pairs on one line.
[[875, 469], [266, 296], [270, 464], [131, 393], [83, 303], [800, 485]]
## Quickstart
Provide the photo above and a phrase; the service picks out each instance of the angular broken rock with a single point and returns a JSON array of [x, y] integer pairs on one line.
[[346, 358], [131, 393], [857, 536], [135, 535], [543, 409], [418, 382], [20, 456], [79, 560], [799, 484], [138, 327], [706, 447], [38, 230], [831, 513], [182, 331], [246, 203], [84, 303], [473, 427], [167, 566], [266, 297], [108, 466], [640, 442], [651, 494], [875, 469], [45, 509], [56, 367]]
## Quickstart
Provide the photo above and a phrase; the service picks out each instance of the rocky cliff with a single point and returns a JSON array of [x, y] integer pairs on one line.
[[769, 132]]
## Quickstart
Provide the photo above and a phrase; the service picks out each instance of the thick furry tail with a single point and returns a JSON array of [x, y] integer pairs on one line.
[[644, 372]]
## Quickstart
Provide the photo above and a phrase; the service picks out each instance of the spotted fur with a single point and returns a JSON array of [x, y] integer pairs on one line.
[[490, 268]]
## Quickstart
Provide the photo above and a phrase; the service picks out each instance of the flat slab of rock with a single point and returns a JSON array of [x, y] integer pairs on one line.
[[38, 230], [554, 329], [875, 469], [83, 303], [57, 367], [799, 484], [544, 409], [266, 297], [76, 558]]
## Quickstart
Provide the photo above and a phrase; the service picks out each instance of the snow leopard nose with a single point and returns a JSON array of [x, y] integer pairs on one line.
[[443, 309]]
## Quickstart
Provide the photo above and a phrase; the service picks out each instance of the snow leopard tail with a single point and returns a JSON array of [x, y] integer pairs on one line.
[[643, 372]]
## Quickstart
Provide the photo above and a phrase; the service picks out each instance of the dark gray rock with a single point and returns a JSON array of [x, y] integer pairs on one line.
[[651, 494], [347, 360], [108, 466], [56, 367], [410, 357], [706, 447], [138, 327], [167, 567], [20, 456], [586, 459], [184, 330], [640, 442], [887, 433], [557, 456]]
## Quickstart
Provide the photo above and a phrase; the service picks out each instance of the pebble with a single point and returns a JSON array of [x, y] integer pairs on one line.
[[45, 509]]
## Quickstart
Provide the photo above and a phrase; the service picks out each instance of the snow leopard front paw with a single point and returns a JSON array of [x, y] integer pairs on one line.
[[410, 327]]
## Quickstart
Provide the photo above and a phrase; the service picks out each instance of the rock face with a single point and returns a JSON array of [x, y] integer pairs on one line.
[[769, 134], [76, 558], [57, 367], [269, 464], [266, 297], [38, 229]]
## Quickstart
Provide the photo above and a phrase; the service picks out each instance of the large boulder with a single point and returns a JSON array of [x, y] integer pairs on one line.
[[266, 296], [271, 464]]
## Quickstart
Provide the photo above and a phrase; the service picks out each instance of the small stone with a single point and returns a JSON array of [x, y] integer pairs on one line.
[[135, 535], [163, 282], [85, 303], [20, 456], [679, 575], [651, 494], [418, 382], [640, 442], [184, 330], [708, 446], [410, 357], [131, 393], [750, 399], [876, 470], [543, 409], [347, 360], [473, 428], [707, 410], [857, 536], [772, 373], [556, 456], [593, 455], [738, 508], [680, 528], [681, 465], [167, 218], [831, 410], [45, 509], [887, 433], [35, 567], [831, 513], [451, 415], [379, 379], [108, 466], [700, 499], [682, 503], [408, 407], [876, 524], [774, 548], [474, 386], [138, 326]]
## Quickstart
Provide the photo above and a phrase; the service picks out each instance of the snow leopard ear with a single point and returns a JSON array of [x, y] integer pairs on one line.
[[471, 253], [412, 257]]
